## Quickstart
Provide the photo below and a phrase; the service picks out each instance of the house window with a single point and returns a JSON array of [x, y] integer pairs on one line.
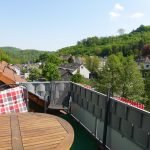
[[81, 67], [147, 66]]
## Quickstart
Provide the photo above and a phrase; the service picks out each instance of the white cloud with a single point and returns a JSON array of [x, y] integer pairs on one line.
[[137, 15], [118, 7], [114, 14]]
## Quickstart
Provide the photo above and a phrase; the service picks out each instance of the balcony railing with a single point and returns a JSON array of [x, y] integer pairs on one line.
[[128, 127]]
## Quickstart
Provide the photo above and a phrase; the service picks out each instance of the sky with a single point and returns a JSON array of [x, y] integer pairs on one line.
[[53, 24]]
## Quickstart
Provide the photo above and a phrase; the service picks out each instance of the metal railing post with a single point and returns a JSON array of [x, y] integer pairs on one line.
[[106, 119]]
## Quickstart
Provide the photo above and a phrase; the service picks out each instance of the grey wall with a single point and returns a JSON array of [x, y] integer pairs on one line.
[[56, 90], [128, 127]]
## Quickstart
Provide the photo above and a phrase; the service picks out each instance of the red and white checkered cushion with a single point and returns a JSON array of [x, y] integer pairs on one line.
[[12, 100]]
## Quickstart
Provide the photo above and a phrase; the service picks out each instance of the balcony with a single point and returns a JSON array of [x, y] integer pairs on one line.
[[127, 127]]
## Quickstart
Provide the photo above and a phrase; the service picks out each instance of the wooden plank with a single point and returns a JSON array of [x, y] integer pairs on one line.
[[36, 99], [41, 147], [6, 147], [43, 133], [16, 137], [5, 133], [50, 141], [51, 137], [29, 125], [68, 140], [34, 131]]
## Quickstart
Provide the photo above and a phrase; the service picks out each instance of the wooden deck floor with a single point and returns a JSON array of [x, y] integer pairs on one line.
[[35, 131]]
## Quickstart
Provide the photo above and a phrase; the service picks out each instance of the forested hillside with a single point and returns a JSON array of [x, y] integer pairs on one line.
[[128, 44], [16, 55]]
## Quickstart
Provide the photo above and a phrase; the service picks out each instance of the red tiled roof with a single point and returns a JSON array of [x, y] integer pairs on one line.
[[8, 75], [147, 60]]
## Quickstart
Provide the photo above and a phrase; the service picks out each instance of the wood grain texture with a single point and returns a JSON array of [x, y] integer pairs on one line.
[[35, 131], [15, 130]]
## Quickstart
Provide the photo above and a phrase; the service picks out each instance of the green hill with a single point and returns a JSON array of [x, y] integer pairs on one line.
[[142, 28], [128, 44], [17, 55]]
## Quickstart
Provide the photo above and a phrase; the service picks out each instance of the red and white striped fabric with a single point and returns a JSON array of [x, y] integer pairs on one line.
[[12, 100]]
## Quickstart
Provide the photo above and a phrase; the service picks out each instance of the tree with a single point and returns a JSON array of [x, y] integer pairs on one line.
[[147, 84], [128, 44], [4, 56], [44, 57], [78, 78], [34, 74], [142, 28], [110, 75], [146, 50], [121, 31], [147, 91], [24, 70], [53, 58], [122, 75], [92, 63], [132, 83], [50, 72]]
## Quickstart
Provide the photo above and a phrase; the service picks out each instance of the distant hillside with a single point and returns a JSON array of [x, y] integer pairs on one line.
[[17, 55], [128, 44], [142, 28]]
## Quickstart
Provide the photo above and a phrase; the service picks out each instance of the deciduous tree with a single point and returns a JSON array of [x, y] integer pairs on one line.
[[147, 84], [78, 78], [34, 74], [53, 58], [122, 75], [132, 83], [121, 31], [92, 63], [147, 91], [50, 72], [110, 75]]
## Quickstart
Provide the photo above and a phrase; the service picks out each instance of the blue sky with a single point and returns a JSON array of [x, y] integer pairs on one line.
[[54, 24]]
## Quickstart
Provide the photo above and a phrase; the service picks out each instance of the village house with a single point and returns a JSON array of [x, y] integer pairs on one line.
[[8, 74], [144, 65], [9, 77], [67, 70]]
